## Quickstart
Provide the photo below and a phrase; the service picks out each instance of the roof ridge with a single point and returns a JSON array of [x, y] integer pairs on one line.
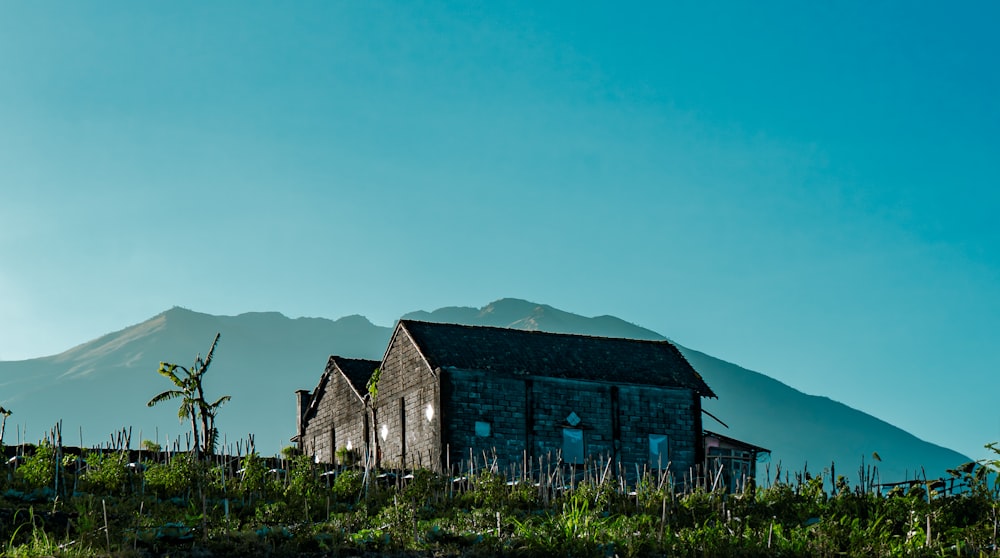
[[550, 354], [537, 331]]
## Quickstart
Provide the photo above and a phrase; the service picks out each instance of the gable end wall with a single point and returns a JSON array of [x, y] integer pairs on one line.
[[406, 389], [339, 417]]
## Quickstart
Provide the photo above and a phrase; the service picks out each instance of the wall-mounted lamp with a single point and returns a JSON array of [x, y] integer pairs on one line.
[[429, 412]]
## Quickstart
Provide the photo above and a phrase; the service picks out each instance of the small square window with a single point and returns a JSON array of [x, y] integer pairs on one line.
[[483, 429]]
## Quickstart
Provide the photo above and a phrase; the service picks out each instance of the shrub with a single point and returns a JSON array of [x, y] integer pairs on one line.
[[107, 473], [348, 485], [175, 478], [39, 470]]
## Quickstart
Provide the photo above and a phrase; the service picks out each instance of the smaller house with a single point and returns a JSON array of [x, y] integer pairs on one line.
[[734, 460], [334, 416]]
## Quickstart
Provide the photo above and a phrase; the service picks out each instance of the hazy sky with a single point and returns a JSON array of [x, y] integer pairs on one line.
[[806, 189]]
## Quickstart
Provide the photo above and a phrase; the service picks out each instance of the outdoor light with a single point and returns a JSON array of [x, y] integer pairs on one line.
[[385, 432], [429, 413], [349, 446]]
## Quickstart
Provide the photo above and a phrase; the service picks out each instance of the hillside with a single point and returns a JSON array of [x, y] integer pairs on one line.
[[101, 386]]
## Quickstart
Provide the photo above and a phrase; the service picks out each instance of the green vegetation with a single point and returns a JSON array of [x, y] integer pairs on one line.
[[57, 503], [194, 406], [60, 502]]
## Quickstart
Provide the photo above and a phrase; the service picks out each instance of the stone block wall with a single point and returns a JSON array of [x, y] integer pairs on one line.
[[528, 415], [407, 410], [339, 421], [554, 402], [676, 413], [499, 404]]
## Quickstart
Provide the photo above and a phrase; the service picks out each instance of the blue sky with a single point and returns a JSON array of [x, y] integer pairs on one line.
[[805, 190]]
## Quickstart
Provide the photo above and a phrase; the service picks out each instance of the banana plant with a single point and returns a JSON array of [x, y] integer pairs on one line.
[[194, 406]]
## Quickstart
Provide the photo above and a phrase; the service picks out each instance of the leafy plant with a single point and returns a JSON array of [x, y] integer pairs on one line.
[[186, 509], [107, 473], [347, 486], [347, 457], [304, 485], [372, 385], [39, 470], [175, 478], [253, 476], [194, 406]]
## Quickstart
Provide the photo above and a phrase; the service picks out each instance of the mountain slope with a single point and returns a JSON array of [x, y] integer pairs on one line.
[[521, 314], [103, 385], [807, 430], [801, 430]]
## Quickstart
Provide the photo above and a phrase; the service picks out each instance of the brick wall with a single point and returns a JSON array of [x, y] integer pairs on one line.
[[340, 418], [407, 410], [649, 410], [530, 413], [497, 401]]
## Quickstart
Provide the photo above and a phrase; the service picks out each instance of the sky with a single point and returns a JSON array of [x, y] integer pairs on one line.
[[808, 190]]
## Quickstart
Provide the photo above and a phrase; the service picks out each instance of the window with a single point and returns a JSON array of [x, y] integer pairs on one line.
[[736, 466], [659, 454], [482, 429], [572, 450]]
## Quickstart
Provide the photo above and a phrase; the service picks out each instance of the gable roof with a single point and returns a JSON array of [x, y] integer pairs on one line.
[[356, 370], [555, 355], [738, 443]]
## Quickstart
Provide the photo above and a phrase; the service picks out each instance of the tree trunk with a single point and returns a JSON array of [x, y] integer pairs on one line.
[[194, 430]]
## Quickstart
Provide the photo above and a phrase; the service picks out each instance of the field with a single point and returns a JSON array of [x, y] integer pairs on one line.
[[68, 502]]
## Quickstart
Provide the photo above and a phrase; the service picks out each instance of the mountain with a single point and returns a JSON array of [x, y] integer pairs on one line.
[[521, 314], [100, 387]]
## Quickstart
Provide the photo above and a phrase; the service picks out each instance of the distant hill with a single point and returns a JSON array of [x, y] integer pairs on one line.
[[102, 386]]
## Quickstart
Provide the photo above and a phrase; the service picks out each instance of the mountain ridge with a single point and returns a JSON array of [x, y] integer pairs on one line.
[[102, 385]]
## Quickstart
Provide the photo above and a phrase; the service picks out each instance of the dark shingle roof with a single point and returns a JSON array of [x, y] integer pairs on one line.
[[357, 370], [557, 355]]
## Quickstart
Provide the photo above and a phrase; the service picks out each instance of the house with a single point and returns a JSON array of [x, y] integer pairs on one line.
[[731, 460], [334, 415], [447, 391]]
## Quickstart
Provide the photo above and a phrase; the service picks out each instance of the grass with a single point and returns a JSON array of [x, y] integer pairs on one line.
[[251, 506]]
